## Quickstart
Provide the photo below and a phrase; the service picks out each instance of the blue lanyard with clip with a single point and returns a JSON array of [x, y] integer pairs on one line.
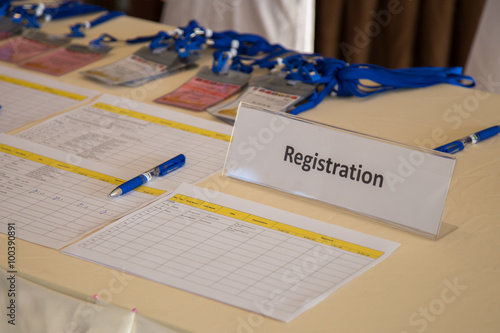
[[241, 52], [160, 41], [4, 7], [186, 40], [385, 79], [76, 28], [336, 76], [30, 13]]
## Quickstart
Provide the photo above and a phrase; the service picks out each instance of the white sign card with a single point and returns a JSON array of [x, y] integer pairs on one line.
[[399, 184]]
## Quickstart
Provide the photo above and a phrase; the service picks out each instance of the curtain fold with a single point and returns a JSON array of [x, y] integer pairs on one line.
[[397, 34], [389, 33]]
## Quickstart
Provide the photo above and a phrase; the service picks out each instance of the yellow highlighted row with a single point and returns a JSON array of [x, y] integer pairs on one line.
[[347, 246], [40, 87], [161, 121], [73, 168]]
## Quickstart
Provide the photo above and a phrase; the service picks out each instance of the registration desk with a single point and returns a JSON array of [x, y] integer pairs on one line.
[[445, 285]]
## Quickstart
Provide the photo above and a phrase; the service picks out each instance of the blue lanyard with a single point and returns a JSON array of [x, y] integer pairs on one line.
[[103, 38], [334, 75], [320, 71], [186, 40], [76, 28], [272, 59], [4, 7], [107, 38], [30, 13], [391, 79], [241, 50], [70, 9], [249, 44]]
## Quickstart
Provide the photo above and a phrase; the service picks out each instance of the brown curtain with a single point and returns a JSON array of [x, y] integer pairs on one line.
[[146, 9], [397, 33]]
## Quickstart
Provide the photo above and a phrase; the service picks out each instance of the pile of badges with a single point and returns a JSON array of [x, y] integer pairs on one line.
[[287, 81], [52, 54]]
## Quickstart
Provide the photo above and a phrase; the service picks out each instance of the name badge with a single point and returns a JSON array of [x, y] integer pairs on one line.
[[141, 67], [205, 89], [65, 59], [271, 91], [399, 184], [31, 43]]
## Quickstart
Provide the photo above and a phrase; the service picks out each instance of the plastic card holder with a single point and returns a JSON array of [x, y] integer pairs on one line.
[[141, 67], [205, 89], [65, 60], [271, 91], [401, 185], [31, 43], [8, 28]]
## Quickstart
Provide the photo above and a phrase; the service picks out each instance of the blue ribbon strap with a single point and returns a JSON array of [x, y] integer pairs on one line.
[[70, 9], [324, 74], [186, 40], [161, 40], [20, 15], [4, 7], [76, 28], [242, 49], [104, 38], [380, 79], [30, 13], [363, 79]]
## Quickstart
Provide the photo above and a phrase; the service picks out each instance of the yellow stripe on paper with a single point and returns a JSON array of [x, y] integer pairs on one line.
[[43, 88], [73, 168], [277, 226], [161, 121]]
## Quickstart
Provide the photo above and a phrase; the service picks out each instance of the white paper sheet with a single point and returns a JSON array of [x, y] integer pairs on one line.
[[26, 97], [50, 201], [63, 313], [135, 137], [235, 251]]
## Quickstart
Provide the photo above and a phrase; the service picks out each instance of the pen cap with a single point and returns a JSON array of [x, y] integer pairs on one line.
[[452, 147], [489, 132]]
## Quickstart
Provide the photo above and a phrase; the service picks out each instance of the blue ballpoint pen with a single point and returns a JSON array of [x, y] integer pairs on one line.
[[456, 146], [161, 170]]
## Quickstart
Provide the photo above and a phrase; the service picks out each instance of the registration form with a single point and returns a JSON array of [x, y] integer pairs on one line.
[[54, 198], [27, 97], [134, 137], [235, 251]]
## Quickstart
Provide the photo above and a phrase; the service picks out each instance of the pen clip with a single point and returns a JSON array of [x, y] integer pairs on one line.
[[170, 169], [452, 147], [171, 165]]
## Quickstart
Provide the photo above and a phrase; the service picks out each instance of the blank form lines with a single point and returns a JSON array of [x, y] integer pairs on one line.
[[217, 250], [245, 260], [26, 98], [53, 206], [131, 144]]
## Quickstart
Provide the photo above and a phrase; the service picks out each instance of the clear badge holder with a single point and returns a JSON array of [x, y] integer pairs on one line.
[[205, 89], [66, 59], [141, 67], [400, 185], [271, 91], [8, 28], [30, 44]]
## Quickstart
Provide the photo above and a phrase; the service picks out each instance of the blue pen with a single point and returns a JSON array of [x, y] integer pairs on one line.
[[161, 170], [456, 146]]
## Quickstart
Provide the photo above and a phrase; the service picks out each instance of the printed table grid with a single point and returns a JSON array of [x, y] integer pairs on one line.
[[131, 144], [21, 105], [54, 204], [223, 253]]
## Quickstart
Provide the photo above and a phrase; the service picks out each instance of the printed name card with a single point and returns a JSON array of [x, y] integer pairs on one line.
[[399, 184]]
